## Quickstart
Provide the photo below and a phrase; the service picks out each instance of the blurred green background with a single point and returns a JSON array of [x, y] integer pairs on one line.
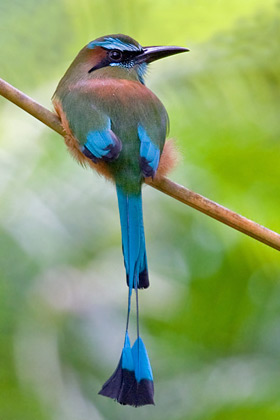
[[211, 318]]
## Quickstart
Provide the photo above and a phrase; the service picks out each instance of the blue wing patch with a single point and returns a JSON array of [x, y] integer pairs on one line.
[[102, 144], [149, 153]]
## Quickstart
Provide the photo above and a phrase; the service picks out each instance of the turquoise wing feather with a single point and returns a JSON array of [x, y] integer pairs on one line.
[[91, 127], [102, 144], [149, 153]]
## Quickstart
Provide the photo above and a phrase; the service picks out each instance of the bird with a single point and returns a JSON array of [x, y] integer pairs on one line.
[[116, 125]]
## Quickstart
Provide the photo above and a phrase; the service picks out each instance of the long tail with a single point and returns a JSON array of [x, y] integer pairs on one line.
[[132, 382], [133, 239]]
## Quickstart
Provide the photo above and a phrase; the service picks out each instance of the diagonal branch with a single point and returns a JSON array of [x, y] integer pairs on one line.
[[163, 184]]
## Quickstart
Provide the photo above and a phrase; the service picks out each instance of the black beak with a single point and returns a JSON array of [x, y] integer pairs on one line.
[[150, 54]]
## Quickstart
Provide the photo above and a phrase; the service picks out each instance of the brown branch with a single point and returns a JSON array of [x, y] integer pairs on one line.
[[197, 201]]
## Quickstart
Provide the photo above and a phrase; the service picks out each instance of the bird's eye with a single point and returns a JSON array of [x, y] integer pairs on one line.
[[115, 55]]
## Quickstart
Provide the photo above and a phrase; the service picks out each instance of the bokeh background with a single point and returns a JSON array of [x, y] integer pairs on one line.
[[211, 318]]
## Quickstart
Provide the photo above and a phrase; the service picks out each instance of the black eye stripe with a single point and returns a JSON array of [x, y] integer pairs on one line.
[[124, 55]]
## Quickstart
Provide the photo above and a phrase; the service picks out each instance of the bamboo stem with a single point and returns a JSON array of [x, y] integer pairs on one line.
[[180, 193]]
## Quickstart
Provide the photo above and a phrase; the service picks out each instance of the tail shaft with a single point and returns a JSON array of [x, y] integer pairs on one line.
[[133, 239]]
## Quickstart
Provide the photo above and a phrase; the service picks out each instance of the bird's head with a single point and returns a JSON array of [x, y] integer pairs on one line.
[[118, 56]]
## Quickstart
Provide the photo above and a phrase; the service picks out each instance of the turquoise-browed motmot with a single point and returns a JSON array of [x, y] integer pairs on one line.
[[114, 123]]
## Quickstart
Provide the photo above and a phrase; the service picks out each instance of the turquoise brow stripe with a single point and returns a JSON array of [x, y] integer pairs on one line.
[[114, 43]]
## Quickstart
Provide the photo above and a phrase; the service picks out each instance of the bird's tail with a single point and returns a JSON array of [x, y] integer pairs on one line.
[[133, 239], [132, 381]]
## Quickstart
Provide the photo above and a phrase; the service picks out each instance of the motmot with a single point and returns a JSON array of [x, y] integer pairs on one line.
[[116, 125]]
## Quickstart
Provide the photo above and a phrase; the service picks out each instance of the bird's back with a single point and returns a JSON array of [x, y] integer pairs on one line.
[[128, 104]]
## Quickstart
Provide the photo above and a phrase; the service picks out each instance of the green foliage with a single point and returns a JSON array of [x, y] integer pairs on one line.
[[211, 316]]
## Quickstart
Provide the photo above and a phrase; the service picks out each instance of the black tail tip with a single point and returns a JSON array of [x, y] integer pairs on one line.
[[143, 282], [123, 387], [144, 279]]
